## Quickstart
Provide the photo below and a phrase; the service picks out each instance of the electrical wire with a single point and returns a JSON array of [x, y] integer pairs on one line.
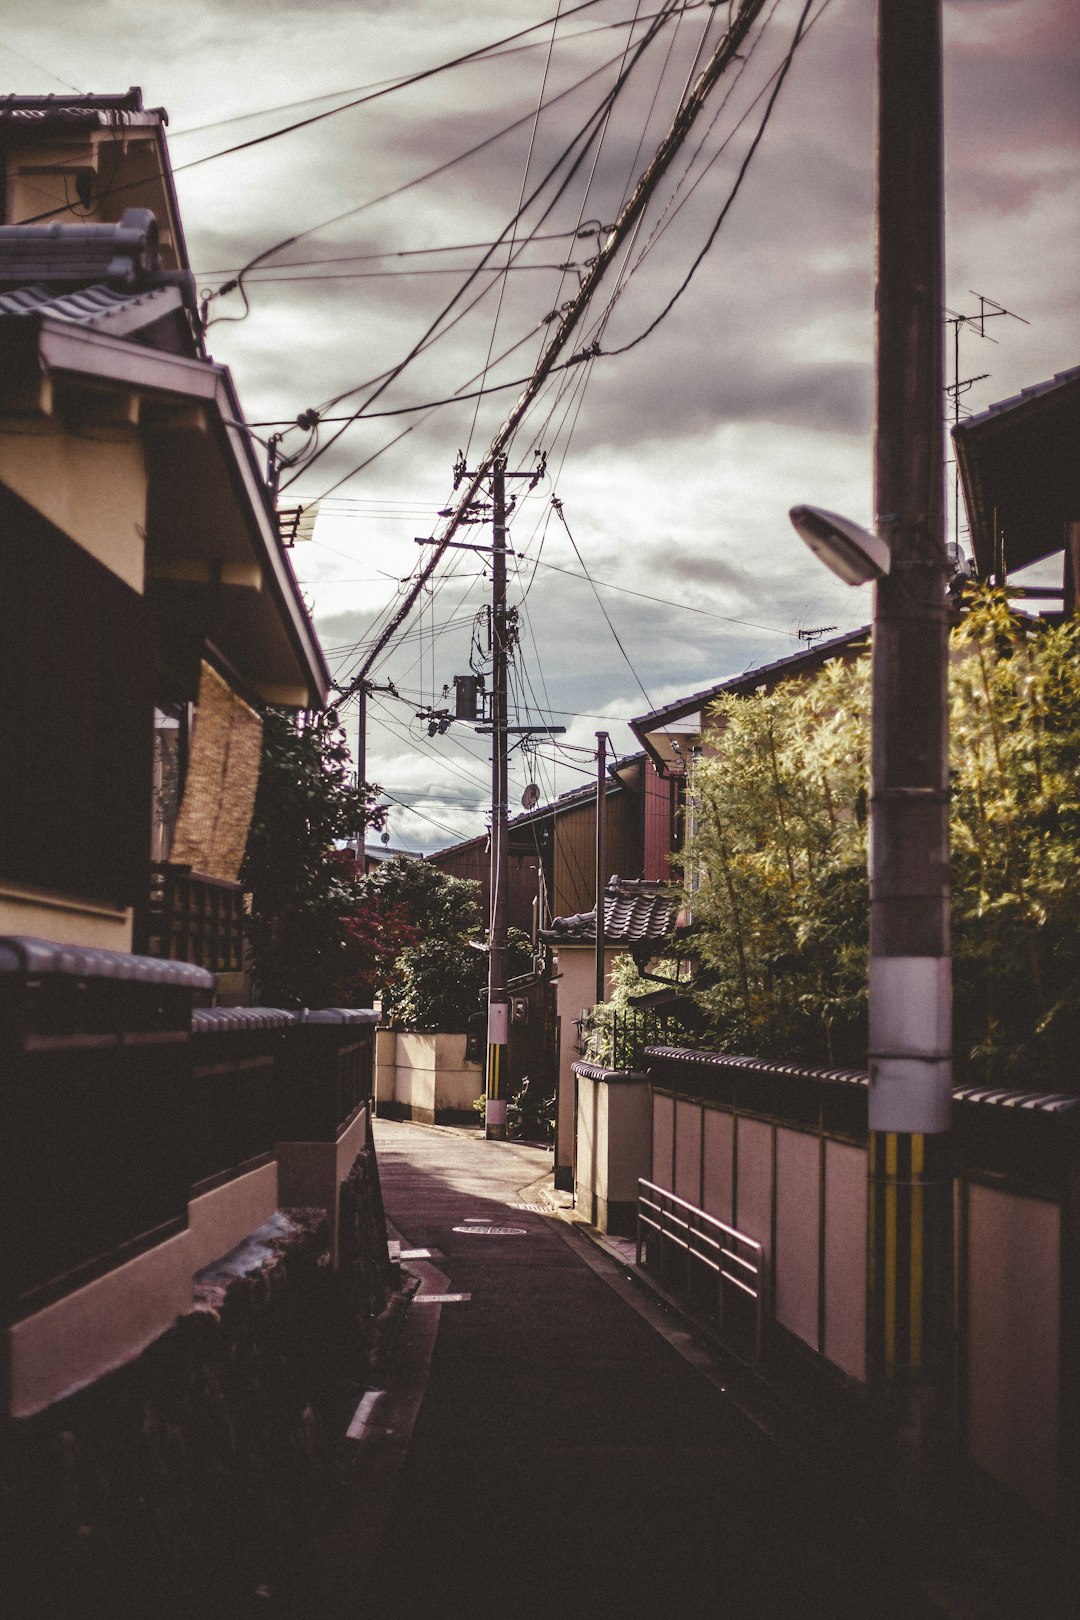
[[561, 515], [734, 191], [521, 201], [663, 601], [585, 136]]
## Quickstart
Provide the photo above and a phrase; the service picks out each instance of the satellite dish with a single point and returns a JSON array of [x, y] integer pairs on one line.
[[531, 796]]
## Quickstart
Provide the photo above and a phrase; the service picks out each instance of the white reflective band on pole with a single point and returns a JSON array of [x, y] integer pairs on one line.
[[495, 1111], [498, 1023], [910, 1044]]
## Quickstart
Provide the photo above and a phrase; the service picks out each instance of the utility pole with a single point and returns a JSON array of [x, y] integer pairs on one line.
[[500, 730], [498, 1005], [361, 771], [601, 880], [909, 1317]]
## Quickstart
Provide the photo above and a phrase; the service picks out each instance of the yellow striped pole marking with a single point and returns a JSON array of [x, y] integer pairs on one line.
[[494, 1066], [918, 1162], [890, 1248]]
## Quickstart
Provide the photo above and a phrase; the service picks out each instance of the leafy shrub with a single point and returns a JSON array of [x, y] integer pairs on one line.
[[304, 891], [778, 853]]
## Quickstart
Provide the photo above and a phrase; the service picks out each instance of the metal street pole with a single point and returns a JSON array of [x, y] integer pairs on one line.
[[909, 1319], [601, 879], [498, 1005]]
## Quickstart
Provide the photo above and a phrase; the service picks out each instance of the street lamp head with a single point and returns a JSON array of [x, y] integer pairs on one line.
[[854, 553]]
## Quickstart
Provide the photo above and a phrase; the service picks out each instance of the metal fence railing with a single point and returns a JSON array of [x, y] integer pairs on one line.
[[616, 1038], [718, 1270]]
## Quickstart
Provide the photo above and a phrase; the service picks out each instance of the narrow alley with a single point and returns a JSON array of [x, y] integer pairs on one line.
[[569, 1455]]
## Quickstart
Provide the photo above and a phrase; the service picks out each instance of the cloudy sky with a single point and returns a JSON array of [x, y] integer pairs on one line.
[[675, 463]]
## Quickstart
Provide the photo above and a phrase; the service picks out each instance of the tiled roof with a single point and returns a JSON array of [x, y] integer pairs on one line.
[[125, 108], [1058, 383], [807, 658], [98, 307], [635, 911]]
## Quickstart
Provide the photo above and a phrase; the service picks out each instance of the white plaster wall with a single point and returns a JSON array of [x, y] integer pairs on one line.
[[67, 922], [845, 1257], [719, 1134], [753, 1210], [663, 1139], [795, 1263], [219, 1220], [586, 1166], [91, 486], [100, 1326], [575, 988], [625, 1119], [1013, 1310], [688, 1152], [385, 1065], [427, 1073]]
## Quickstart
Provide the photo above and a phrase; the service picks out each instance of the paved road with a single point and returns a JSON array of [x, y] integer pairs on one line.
[[567, 1459]]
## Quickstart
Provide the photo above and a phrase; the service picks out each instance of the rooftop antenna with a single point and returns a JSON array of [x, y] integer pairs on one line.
[[975, 321]]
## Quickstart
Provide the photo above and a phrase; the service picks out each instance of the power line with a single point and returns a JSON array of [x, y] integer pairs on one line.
[[396, 253], [733, 193], [725, 52], [487, 53], [585, 136], [561, 515], [662, 601]]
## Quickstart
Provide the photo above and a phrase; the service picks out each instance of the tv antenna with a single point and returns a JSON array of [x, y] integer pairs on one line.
[[973, 321]]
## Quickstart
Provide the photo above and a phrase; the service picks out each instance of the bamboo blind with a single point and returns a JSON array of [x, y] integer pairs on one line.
[[222, 775]]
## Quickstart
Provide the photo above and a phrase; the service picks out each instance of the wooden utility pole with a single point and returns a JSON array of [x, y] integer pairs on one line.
[[361, 772], [601, 880], [909, 1321], [498, 1004]]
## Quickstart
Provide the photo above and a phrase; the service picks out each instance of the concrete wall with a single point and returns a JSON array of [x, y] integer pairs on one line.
[[310, 1174], [426, 1078], [802, 1194], [613, 1146], [575, 988]]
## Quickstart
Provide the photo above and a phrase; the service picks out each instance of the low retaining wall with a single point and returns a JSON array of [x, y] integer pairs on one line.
[[426, 1078], [174, 1484]]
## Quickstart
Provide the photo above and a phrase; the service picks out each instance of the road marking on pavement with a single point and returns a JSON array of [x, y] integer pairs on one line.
[[415, 1254], [494, 1231], [440, 1299], [362, 1416]]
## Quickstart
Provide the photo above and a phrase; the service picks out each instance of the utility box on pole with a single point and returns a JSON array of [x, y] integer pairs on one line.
[[467, 690]]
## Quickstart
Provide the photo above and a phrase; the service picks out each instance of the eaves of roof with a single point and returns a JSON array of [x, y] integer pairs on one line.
[[1019, 465], [795, 664], [45, 343]]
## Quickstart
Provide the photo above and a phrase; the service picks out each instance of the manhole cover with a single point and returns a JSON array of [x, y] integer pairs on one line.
[[493, 1231]]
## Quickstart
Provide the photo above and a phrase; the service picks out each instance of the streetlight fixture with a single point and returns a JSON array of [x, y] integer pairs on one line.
[[853, 553]]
